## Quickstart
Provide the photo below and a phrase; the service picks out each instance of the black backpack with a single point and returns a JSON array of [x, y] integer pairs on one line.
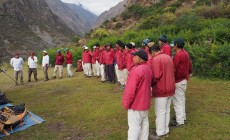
[[3, 99]]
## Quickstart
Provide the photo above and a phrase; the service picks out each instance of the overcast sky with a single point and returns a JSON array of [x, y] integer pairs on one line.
[[95, 6]]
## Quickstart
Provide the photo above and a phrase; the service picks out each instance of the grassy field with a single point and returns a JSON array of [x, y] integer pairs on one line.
[[81, 108]]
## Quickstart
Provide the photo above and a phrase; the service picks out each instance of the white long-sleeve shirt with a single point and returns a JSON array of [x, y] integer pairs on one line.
[[17, 63], [45, 60], [32, 63]]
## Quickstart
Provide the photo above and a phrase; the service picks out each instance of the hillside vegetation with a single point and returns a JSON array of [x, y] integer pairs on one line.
[[205, 26]]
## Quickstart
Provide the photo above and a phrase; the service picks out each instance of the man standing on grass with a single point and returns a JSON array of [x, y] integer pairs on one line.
[[95, 53], [165, 48], [58, 64], [87, 62], [32, 66], [137, 97], [45, 64], [17, 63], [109, 63], [163, 88], [183, 68], [101, 61], [120, 56], [129, 56], [69, 61]]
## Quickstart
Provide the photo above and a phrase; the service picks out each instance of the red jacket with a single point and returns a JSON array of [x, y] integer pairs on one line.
[[69, 58], [166, 49], [101, 57], [87, 56], [109, 57], [149, 62], [183, 66], [95, 56], [59, 59], [129, 60], [163, 76], [121, 60], [137, 94]]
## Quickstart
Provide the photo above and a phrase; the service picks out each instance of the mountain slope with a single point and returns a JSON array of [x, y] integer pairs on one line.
[[29, 25], [112, 12], [75, 17]]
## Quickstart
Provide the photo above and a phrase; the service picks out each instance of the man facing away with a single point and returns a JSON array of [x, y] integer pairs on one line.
[[59, 60], [109, 63], [163, 88], [69, 61], [183, 68], [45, 64], [165, 48], [32, 66], [17, 62], [137, 97]]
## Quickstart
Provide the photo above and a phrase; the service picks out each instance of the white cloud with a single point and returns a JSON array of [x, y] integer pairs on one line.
[[95, 6]]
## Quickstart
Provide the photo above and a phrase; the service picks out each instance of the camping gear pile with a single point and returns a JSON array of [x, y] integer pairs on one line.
[[13, 116]]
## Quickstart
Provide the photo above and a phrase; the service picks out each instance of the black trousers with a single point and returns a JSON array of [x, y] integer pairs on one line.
[[110, 73]]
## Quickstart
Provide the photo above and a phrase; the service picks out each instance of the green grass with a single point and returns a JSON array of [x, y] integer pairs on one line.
[[82, 108]]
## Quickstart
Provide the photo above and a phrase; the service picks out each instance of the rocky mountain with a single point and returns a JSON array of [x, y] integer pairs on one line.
[[74, 16], [29, 25], [112, 12]]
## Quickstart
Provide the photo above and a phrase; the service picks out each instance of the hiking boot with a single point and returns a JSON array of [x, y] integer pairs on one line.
[[102, 81], [46, 79], [60, 77], [175, 124], [174, 119], [54, 77], [156, 137]]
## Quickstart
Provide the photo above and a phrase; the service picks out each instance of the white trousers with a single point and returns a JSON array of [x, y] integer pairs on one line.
[[83, 67], [162, 111], [179, 101], [102, 67], [138, 122], [70, 73], [117, 71], [123, 76], [58, 68], [88, 69], [94, 69], [98, 68]]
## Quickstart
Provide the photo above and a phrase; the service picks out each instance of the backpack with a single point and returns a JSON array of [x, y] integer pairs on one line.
[[3, 99], [11, 116]]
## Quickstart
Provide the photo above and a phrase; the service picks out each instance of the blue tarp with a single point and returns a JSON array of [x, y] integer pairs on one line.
[[27, 122]]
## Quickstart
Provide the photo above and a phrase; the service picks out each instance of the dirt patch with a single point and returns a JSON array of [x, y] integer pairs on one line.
[[56, 127]]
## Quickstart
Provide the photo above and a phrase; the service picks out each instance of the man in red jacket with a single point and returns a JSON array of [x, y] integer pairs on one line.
[[146, 46], [109, 63], [163, 88], [96, 55], [58, 64], [129, 56], [87, 62], [69, 61], [101, 61], [137, 97], [120, 56], [183, 68], [165, 48]]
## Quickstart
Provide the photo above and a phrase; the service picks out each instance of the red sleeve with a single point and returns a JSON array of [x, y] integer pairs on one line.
[[130, 90], [69, 56], [156, 71], [176, 63]]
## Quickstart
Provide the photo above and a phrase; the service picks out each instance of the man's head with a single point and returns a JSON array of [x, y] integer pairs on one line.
[[66, 50], [108, 46], [178, 44], [120, 45], [140, 56], [163, 39], [31, 53], [16, 55], [58, 52], [44, 53], [133, 44], [129, 46], [86, 49], [154, 50]]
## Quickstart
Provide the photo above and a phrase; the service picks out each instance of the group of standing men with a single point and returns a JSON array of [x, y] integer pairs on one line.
[[156, 73], [144, 72], [17, 63]]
